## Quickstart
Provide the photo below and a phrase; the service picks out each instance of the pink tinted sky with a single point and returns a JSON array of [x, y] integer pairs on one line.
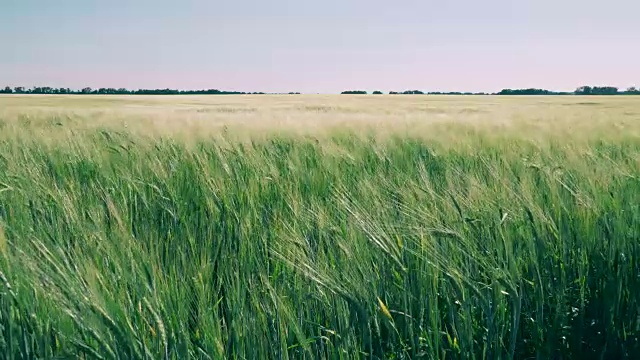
[[320, 46]]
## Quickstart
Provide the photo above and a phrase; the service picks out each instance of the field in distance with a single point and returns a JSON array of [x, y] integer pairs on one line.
[[391, 227], [315, 114]]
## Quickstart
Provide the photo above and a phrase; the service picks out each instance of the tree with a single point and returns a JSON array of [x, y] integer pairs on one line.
[[19, 90], [583, 90], [86, 90], [605, 90], [377, 92], [354, 92], [7, 90], [597, 90], [529, 91]]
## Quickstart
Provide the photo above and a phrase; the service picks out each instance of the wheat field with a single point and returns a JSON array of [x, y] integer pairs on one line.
[[308, 227]]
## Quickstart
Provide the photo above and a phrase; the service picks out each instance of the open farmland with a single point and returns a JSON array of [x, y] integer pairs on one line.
[[350, 227]]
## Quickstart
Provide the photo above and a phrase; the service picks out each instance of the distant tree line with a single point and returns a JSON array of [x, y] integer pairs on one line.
[[604, 90], [408, 92], [119, 91], [529, 92], [456, 93], [415, 92], [354, 92], [583, 90]]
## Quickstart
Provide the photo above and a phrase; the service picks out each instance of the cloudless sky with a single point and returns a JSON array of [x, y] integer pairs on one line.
[[320, 46]]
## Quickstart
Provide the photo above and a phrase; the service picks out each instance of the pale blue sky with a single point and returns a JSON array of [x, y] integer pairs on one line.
[[320, 46]]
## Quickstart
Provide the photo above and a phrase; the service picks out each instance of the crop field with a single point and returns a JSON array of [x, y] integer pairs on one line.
[[313, 227]]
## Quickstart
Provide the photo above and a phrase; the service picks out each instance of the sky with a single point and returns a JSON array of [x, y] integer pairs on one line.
[[320, 46]]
